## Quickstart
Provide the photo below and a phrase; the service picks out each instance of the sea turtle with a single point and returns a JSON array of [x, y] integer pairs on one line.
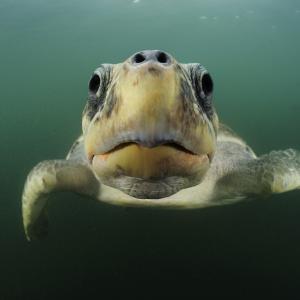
[[151, 137]]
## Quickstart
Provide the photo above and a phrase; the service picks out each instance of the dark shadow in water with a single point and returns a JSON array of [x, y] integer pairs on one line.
[[240, 250]]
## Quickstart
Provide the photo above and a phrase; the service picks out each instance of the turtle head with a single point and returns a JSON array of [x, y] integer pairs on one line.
[[149, 125]]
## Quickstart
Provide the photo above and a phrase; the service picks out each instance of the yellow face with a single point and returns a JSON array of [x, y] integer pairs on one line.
[[149, 127]]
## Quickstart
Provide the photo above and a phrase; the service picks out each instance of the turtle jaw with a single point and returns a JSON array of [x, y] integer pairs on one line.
[[148, 160], [151, 165], [152, 173]]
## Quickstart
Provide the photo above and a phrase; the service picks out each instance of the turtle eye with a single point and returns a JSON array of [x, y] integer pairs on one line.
[[203, 86], [94, 84], [206, 84]]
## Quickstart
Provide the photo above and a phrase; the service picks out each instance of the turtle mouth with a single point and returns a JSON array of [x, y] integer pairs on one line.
[[150, 170], [148, 140], [149, 161], [150, 145], [171, 144]]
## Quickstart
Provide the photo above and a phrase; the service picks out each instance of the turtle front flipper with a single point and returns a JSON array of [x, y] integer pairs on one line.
[[275, 172], [47, 177], [280, 170]]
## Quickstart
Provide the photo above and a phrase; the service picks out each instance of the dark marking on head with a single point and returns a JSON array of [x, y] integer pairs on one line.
[[93, 105], [112, 102], [186, 91], [154, 71], [186, 113], [186, 94]]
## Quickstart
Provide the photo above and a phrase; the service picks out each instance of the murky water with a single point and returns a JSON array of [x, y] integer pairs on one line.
[[48, 52]]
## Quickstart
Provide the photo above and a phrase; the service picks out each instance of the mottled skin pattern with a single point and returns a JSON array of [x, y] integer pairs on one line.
[[151, 137]]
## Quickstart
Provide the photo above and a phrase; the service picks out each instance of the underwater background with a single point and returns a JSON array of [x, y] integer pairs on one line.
[[48, 51]]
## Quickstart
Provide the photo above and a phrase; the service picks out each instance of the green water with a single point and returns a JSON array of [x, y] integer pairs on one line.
[[48, 50]]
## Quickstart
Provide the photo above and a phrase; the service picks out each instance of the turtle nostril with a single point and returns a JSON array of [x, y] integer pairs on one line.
[[138, 58], [154, 56], [162, 57]]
